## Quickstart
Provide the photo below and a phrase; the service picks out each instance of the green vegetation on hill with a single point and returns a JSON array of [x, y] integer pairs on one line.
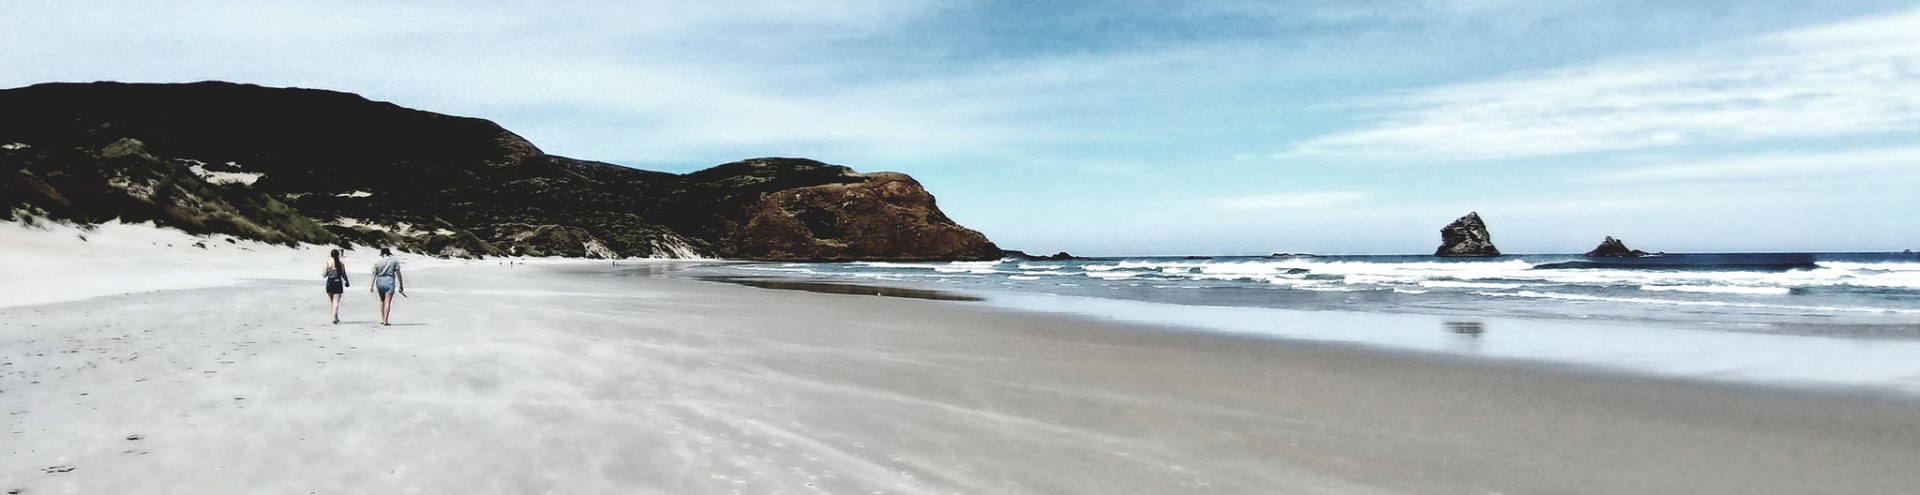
[[300, 165]]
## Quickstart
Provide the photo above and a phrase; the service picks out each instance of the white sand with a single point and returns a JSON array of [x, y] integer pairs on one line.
[[577, 377], [53, 262]]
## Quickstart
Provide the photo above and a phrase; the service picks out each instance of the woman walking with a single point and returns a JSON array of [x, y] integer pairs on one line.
[[336, 274], [386, 281]]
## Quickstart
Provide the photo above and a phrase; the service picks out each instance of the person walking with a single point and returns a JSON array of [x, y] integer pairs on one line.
[[387, 281], [336, 274]]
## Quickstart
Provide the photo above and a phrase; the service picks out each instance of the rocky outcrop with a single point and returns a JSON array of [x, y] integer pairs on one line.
[[880, 216], [1613, 248], [299, 165], [1466, 236]]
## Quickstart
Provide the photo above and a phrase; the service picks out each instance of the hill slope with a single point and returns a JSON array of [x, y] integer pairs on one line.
[[301, 165]]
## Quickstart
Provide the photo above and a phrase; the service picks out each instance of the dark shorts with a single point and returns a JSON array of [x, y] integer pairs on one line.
[[334, 286]]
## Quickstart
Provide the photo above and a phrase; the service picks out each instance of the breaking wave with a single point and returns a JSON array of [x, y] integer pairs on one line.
[[1712, 285]]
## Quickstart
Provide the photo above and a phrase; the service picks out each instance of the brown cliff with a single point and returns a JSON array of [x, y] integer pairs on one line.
[[881, 215]]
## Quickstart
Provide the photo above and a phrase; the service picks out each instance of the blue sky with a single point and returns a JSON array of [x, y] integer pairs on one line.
[[1200, 127]]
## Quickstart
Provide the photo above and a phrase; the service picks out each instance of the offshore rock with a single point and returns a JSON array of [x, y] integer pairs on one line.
[[1466, 236], [1613, 248]]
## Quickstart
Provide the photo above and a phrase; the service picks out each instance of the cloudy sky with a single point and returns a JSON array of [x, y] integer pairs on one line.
[[1198, 127]]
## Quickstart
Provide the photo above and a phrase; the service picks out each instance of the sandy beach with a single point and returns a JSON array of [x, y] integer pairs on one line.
[[583, 377]]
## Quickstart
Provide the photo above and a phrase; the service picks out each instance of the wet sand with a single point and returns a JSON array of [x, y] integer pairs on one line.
[[570, 378]]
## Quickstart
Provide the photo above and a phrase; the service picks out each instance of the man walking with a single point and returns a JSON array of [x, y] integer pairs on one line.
[[386, 281]]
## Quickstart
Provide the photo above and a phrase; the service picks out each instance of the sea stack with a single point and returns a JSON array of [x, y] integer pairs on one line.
[[1466, 237], [1613, 248]]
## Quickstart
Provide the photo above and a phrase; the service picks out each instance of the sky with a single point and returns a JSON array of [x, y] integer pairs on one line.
[[1145, 127]]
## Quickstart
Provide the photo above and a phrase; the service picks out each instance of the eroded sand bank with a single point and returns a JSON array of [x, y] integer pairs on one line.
[[586, 378]]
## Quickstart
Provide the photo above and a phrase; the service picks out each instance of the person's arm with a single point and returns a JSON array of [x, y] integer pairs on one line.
[[374, 275], [399, 280]]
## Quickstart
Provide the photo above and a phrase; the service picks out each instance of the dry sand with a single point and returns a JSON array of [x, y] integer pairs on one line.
[[576, 378], [49, 262]]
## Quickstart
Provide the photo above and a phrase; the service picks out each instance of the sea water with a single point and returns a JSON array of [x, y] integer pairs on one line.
[[1876, 293], [1829, 319]]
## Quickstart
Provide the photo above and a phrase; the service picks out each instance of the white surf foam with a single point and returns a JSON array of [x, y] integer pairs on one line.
[[1718, 289], [1678, 302], [1450, 284]]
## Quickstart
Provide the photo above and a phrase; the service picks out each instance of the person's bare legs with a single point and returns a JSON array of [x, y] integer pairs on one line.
[[386, 307], [335, 298]]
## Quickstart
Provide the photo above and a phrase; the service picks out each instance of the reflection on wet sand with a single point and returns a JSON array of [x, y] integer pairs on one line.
[[1470, 328], [851, 289]]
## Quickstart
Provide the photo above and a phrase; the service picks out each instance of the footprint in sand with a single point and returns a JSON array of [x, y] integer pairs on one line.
[[57, 469]]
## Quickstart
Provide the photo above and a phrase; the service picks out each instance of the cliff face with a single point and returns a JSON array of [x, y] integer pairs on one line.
[[297, 165], [1466, 236], [883, 213]]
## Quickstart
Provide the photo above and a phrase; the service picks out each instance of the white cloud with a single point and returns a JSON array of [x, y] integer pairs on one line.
[[645, 80], [1485, 13], [1873, 164], [1842, 79], [1285, 201]]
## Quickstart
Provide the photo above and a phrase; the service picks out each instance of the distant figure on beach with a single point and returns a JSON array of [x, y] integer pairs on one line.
[[387, 281], [336, 274]]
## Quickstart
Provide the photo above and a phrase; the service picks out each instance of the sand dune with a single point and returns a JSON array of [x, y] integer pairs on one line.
[[48, 262]]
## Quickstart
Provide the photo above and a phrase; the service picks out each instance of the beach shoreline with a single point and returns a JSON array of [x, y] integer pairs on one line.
[[1666, 350], [585, 377]]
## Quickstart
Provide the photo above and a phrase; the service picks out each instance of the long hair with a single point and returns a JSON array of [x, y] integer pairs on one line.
[[337, 265]]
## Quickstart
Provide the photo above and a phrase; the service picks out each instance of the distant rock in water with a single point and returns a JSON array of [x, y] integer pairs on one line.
[[1613, 248], [1024, 256], [1293, 255], [290, 165], [1466, 237]]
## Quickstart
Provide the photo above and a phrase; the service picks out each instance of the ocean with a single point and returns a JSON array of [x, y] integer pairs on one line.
[[1859, 294], [1825, 320]]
